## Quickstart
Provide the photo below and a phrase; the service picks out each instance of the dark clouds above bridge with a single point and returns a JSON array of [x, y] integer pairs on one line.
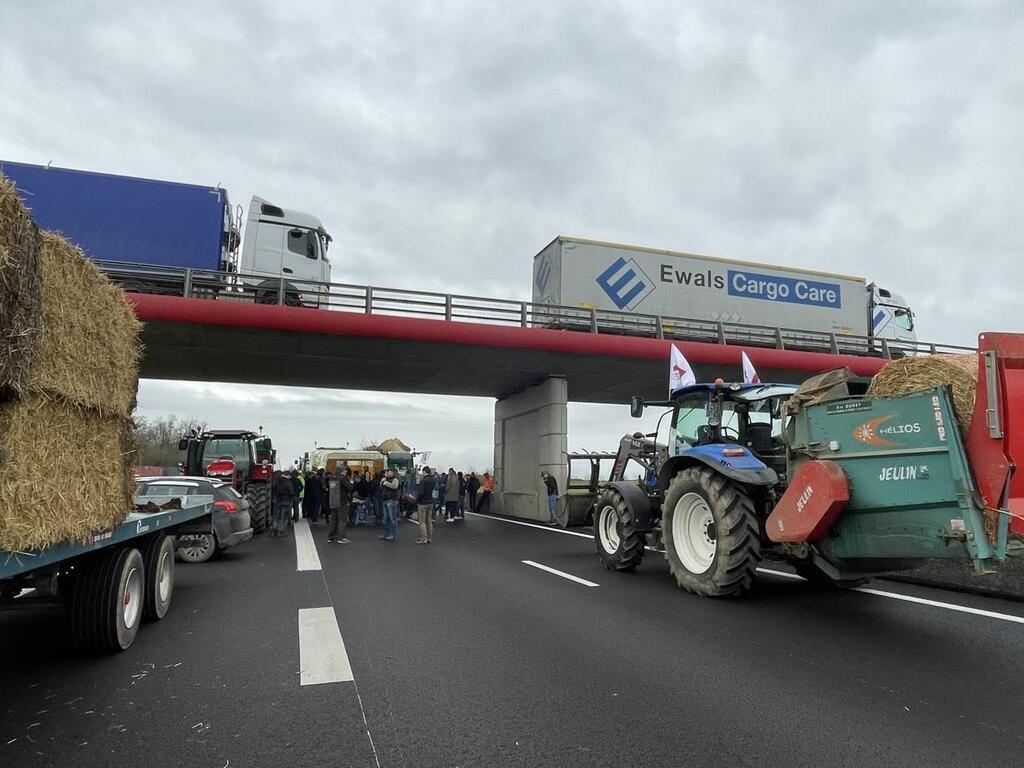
[[443, 144]]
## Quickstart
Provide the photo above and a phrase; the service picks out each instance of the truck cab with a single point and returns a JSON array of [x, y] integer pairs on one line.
[[889, 315], [280, 242]]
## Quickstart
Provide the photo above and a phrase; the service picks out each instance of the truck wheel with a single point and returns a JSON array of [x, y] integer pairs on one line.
[[197, 547], [158, 558], [619, 545], [711, 534], [258, 495], [107, 601]]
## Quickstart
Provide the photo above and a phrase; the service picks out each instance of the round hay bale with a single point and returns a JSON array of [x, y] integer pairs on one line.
[[914, 374], [20, 289]]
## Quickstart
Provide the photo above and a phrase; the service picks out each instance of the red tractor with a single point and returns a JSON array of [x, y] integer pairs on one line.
[[243, 458]]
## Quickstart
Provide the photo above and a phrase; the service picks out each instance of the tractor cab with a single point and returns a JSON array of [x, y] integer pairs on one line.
[[731, 422]]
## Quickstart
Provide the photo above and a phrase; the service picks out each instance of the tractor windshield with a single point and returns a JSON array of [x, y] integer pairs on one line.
[[740, 410], [234, 448]]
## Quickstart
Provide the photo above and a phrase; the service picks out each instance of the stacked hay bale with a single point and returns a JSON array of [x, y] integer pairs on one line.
[[914, 374], [68, 383]]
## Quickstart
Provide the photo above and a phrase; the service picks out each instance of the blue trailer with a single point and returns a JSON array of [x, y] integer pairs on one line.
[[112, 580], [127, 219]]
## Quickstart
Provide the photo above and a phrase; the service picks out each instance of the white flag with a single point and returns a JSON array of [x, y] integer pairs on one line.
[[679, 372], [749, 374]]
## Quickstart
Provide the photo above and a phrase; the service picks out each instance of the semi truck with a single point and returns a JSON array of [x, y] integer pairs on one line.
[[572, 273], [125, 220]]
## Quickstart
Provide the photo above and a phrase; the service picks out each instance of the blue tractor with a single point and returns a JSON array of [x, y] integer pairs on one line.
[[705, 496]]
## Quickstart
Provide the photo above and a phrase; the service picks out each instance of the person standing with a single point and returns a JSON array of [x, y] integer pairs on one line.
[[389, 485], [451, 494], [339, 496], [296, 493], [283, 496], [551, 486], [472, 486], [488, 489], [462, 496], [425, 506], [313, 497]]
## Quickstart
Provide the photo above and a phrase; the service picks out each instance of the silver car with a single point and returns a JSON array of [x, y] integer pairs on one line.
[[231, 522]]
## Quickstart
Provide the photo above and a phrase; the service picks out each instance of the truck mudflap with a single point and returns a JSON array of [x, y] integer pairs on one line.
[[816, 496]]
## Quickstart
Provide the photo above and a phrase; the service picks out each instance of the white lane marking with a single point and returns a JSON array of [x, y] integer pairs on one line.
[[938, 604], [306, 556], [532, 525], [563, 574], [783, 574], [322, 654]]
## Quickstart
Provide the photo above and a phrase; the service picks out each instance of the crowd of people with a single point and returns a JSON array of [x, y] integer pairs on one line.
[[349, 497]]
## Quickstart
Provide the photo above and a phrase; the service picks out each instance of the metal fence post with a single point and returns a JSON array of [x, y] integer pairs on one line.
[[522, 314], [447, 306], [593, 320], [778, 339], [885, 350], [369, 300], [280, 291], [834, 343], [659, 329], [187, 290], [721, 332]]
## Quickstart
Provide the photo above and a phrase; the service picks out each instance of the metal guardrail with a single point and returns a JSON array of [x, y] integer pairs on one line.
[[402, 302]]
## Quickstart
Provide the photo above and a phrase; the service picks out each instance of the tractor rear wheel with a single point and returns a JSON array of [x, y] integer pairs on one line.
[[258, 495], [619, 545], [711, 533]]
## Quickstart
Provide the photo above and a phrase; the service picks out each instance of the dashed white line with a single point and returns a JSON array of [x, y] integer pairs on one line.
[[785, 575], [306, 556], [563, 574], [322, 654]]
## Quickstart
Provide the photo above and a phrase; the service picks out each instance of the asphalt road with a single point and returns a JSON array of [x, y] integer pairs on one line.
[[463, 655]]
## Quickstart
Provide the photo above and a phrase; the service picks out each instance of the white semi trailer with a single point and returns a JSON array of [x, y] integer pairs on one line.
[[572, 272]]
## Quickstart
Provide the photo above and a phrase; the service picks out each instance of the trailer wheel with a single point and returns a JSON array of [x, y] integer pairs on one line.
[[107, 601], [711, 534], [258, 495], [159, 561], [619, 545]]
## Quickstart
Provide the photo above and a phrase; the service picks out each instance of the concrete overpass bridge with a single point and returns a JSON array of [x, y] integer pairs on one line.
[[532, 359]]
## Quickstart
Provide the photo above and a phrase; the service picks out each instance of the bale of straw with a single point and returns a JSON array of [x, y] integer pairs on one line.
[[20, 291], [65, 472], [88, 353], [913, 374]]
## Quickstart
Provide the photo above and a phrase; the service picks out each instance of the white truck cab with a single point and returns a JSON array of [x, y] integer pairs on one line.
[[889, 315], [280, 242]]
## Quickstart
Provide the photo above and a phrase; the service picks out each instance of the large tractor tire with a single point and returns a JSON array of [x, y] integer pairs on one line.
[[619, 545], [711, 534], [107, 601], [258, 495]]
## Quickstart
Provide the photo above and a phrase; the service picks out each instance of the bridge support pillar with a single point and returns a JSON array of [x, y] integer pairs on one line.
[[530, 433]]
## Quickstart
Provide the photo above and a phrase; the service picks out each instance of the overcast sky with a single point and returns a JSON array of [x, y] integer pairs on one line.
[[444, 143]]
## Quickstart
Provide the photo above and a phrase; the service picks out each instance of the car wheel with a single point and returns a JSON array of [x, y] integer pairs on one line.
[[197, 547]]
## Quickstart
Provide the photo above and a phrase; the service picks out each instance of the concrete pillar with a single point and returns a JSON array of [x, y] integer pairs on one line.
[[530, 434]]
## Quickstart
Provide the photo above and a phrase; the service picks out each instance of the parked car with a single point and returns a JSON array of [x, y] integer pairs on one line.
[[231, 522]]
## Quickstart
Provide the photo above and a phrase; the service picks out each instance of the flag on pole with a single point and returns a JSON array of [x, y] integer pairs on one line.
[[749, 373], [679, 372]]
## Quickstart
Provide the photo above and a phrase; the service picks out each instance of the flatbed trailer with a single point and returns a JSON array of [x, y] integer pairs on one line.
[[111, 580]]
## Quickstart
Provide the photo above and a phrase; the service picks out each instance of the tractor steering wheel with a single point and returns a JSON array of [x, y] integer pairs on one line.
[[725, 433]]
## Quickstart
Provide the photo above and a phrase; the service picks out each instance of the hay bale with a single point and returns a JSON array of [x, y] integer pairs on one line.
[[913, 374], [88, 353], [65, 472], [20, 291]]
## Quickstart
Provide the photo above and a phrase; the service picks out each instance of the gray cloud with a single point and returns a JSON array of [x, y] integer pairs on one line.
[[443, 144]]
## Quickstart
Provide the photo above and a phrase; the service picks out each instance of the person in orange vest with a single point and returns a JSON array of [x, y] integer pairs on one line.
[[487, 488]]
